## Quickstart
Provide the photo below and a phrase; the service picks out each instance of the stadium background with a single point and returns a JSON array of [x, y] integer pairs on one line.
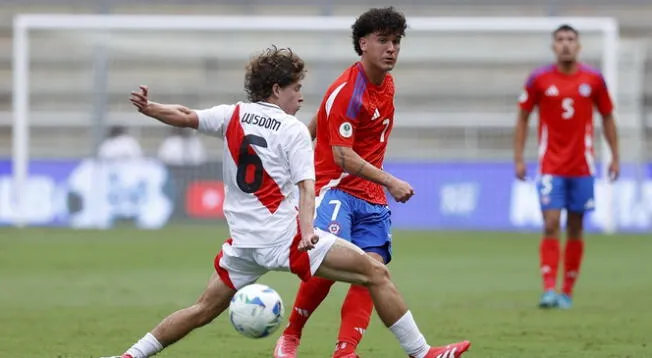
[[452, 140], [454, 112]]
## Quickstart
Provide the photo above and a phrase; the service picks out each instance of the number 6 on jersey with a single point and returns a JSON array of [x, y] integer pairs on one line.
[[247, 157]]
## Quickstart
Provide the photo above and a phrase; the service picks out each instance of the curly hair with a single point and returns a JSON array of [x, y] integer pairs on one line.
[[272, 66], [386, 21]]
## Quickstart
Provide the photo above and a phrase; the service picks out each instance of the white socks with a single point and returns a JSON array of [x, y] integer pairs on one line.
[[145, 347], [405, 330], [409, 336]]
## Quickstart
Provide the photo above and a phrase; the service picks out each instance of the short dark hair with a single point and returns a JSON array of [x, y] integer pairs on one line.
[[566, 27], [386, 21], [272, 66]]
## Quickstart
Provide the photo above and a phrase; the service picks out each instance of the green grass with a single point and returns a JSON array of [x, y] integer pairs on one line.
[[70, 293]]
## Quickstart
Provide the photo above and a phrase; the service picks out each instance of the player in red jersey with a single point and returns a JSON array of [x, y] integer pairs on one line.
[[269, 176], [566, 94], [352, 126]]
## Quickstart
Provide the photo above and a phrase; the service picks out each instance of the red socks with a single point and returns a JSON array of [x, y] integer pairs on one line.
[[572, 262], [356, 313], [549, 262], [311, 294], [549, 259]]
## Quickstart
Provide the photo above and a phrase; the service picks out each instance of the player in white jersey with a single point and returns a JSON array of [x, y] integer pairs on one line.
[[267, 152], [262, 142]]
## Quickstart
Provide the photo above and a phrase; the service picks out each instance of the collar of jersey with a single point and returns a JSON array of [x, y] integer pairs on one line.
[[267, 104]]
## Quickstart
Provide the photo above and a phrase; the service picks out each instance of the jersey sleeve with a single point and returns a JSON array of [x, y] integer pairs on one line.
[[602, 99], [530, 96], [342, 109], [212, 121], [300, 154]]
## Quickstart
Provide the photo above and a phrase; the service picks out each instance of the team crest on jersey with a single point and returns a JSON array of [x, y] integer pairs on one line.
[[585, 89], [346, 130], [334, 228]]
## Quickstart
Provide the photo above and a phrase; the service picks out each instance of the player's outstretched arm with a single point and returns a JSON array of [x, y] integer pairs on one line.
[[611, 135], [520, 135], [353, 164], [170, 114]]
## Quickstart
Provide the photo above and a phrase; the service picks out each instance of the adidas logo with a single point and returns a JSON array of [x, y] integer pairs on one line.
[[590, 204], [376, 115], [302, 312], [552, 91], [448, 353]]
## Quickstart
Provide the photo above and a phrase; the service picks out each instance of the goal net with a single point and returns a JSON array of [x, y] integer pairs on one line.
[[457, 81]]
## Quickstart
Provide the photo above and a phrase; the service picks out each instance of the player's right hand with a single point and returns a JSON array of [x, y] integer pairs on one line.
[[308, 241], [401, 190], [520, 170], [140, 99]]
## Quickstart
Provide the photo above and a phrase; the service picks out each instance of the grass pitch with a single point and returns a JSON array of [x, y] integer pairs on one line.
[[85, 294]]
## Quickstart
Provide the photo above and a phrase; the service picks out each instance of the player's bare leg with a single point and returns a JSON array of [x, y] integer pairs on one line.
[[573, 253], [348, 263], [549, 254], [209, 305]]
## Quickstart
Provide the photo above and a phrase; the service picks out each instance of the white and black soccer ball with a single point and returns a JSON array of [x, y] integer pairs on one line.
[[256, 311]]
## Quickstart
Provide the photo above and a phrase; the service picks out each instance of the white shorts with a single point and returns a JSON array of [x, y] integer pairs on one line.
[[238, 267]]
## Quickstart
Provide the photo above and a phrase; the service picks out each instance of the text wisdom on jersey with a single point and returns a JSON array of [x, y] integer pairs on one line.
[[265, 122]]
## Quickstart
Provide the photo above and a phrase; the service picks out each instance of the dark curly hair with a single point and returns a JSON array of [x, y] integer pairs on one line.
[[386, 21], [272, 66]]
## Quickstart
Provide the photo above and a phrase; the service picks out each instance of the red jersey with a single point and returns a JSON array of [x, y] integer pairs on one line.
[[566, 104], [358, 114]]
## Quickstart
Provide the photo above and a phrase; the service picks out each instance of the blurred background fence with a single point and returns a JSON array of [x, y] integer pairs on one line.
[[456, 101]]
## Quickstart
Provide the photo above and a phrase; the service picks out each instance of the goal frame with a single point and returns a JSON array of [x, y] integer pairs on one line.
[[24, 23]]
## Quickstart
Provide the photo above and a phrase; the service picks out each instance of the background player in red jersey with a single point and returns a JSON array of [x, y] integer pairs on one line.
[[566, 94], [352, 126]]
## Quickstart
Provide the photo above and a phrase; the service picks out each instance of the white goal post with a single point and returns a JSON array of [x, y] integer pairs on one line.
[[24, 23]]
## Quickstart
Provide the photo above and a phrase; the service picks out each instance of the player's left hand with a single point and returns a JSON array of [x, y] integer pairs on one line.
[[614, 171], [520, 170], [401, 190], [308, 242]]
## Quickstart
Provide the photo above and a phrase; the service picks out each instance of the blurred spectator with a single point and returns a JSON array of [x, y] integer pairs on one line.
[[182, 147], [119, 145]]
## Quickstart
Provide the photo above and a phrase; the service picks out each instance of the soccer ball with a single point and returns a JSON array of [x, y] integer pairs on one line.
[[256, 311]]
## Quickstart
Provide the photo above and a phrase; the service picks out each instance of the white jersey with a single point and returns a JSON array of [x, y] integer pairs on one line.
[[266, 153]]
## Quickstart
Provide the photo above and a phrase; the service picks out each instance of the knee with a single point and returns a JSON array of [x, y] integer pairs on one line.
[[551, 227], [377, 273]]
